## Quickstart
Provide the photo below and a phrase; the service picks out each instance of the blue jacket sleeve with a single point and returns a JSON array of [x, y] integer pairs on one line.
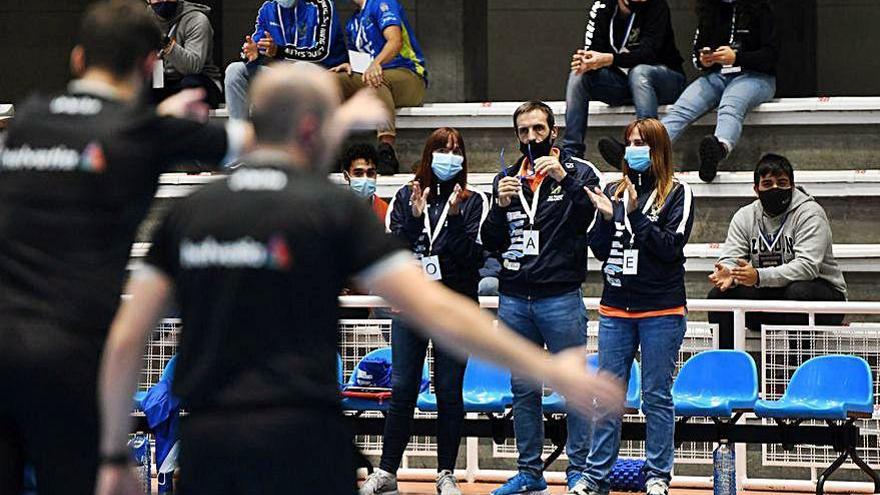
[[584, 175], [464, 229], [667, 242], [262, 23], [494, 232], [601, 234], [400, 220]]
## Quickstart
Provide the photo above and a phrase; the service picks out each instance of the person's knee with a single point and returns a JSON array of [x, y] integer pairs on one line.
[[800, 291], [716, 293], [640, 77], [657, 397], [236, 71]]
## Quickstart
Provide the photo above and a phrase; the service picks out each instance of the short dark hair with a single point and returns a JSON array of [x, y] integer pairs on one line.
[[359, 151], [773, 165], [117, 35], [531, 106]]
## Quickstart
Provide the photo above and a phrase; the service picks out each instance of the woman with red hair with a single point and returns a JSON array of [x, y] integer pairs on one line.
[[439, 217]]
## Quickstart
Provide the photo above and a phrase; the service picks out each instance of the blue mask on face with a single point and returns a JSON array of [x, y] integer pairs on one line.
[[638, 157], [363, 186], [286, 3], [446, 165]]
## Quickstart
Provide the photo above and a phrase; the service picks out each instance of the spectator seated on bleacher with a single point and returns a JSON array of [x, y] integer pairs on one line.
[[286, 30], [386, 57], [779, 247], [736, 50], [359, 170], [629, 57], [188, 51]]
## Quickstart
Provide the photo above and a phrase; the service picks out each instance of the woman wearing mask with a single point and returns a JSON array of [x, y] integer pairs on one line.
[[736, 50], [642, 224], [439, 217]]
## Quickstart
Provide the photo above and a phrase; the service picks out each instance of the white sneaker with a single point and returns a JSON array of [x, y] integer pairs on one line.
[[657, 486], [581, 488], [379, 483], [447, 484]]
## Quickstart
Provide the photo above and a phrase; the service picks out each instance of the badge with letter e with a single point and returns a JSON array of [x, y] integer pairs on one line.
[[630, 261]]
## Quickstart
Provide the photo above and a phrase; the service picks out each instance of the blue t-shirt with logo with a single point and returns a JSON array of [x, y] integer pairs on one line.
[[365, 30], [308, 32]]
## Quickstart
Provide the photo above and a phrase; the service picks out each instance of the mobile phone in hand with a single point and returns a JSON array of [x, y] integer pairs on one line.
[[705, 51]]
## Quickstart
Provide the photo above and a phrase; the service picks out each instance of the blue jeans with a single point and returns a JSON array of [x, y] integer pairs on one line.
[[408, 351], [619, 339], [734, 95], [237, 81], [560, 322], [646, 86]]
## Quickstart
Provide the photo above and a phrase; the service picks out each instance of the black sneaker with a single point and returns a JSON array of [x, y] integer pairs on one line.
[[612, 152], [712, 151], [388, 164]]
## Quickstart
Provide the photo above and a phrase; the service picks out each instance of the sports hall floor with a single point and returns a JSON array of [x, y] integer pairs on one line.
[[485, 488]]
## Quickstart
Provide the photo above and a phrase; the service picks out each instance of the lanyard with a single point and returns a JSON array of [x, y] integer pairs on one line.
[[626, 223], [172, 30], [432, 236], [632, 18], [770, 245], [533, 211], [295, 25]]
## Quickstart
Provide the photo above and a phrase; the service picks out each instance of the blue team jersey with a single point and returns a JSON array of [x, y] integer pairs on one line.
[[309, 31], [365, 34]]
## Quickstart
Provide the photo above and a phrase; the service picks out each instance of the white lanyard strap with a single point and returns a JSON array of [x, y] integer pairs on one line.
[[632, 18], [533, 211], [770, 245], [432, 236], [626, 222], [295, 25]]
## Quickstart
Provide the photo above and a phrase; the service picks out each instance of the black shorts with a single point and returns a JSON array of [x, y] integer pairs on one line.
[[266, 452], [48, 408]]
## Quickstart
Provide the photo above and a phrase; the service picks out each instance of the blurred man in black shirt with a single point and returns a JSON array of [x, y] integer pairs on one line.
[[258, 290], [78, 172]]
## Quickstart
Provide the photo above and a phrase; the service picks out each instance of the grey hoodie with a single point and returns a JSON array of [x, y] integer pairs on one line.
[[805, 244], [193, 51]]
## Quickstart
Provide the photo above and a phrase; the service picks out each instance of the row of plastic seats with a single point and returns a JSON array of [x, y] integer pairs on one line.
[[715, 383]]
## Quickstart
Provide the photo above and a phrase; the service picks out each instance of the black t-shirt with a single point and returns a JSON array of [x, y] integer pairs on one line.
[[258, 261], [77, 175]]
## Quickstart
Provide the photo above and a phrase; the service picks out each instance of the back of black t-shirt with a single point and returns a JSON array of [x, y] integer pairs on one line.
[[77, 175], [258, 262]]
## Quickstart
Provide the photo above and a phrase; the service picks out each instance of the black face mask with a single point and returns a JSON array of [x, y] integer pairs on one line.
[[165, 10], [775, 201], [535, 150]]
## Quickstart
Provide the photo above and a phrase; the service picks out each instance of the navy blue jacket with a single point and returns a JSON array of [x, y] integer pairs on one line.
[[660, 237], [564, 215], [458, 245]]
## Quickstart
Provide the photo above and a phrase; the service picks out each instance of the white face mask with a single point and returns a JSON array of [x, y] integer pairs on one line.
[[286, 3]]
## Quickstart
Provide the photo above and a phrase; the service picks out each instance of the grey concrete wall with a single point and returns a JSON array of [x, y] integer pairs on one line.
[[476, 49]]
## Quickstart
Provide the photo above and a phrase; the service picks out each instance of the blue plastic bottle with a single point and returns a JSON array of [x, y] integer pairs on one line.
[[140, 451], [724, 470]]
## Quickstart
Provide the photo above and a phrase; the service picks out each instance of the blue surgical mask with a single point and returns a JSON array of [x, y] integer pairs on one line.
[[363, 186], [446, 165], [638, 157], [286, 3]]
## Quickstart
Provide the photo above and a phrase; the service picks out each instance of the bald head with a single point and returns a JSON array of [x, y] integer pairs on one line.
[[291, 103]]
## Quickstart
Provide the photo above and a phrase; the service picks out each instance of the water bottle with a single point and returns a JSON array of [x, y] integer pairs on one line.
[[724, 470], [140, 451]]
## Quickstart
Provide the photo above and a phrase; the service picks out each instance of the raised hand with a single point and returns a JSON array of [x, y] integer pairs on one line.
[[508, 187], [601, 202], [455, 200], [419, 199]]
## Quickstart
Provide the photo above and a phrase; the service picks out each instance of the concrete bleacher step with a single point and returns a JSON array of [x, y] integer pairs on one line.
[[851, 198], [819, 133]]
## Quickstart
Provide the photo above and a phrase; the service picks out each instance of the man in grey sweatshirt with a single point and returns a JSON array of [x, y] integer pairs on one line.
[[188, 50], [779, 247]]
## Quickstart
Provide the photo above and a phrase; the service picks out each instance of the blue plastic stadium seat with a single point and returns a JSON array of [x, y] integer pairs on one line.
[[340, 379], [167, 374], [716, 384], [832, 387], [363, 405], [486, 389], [555, 403]]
